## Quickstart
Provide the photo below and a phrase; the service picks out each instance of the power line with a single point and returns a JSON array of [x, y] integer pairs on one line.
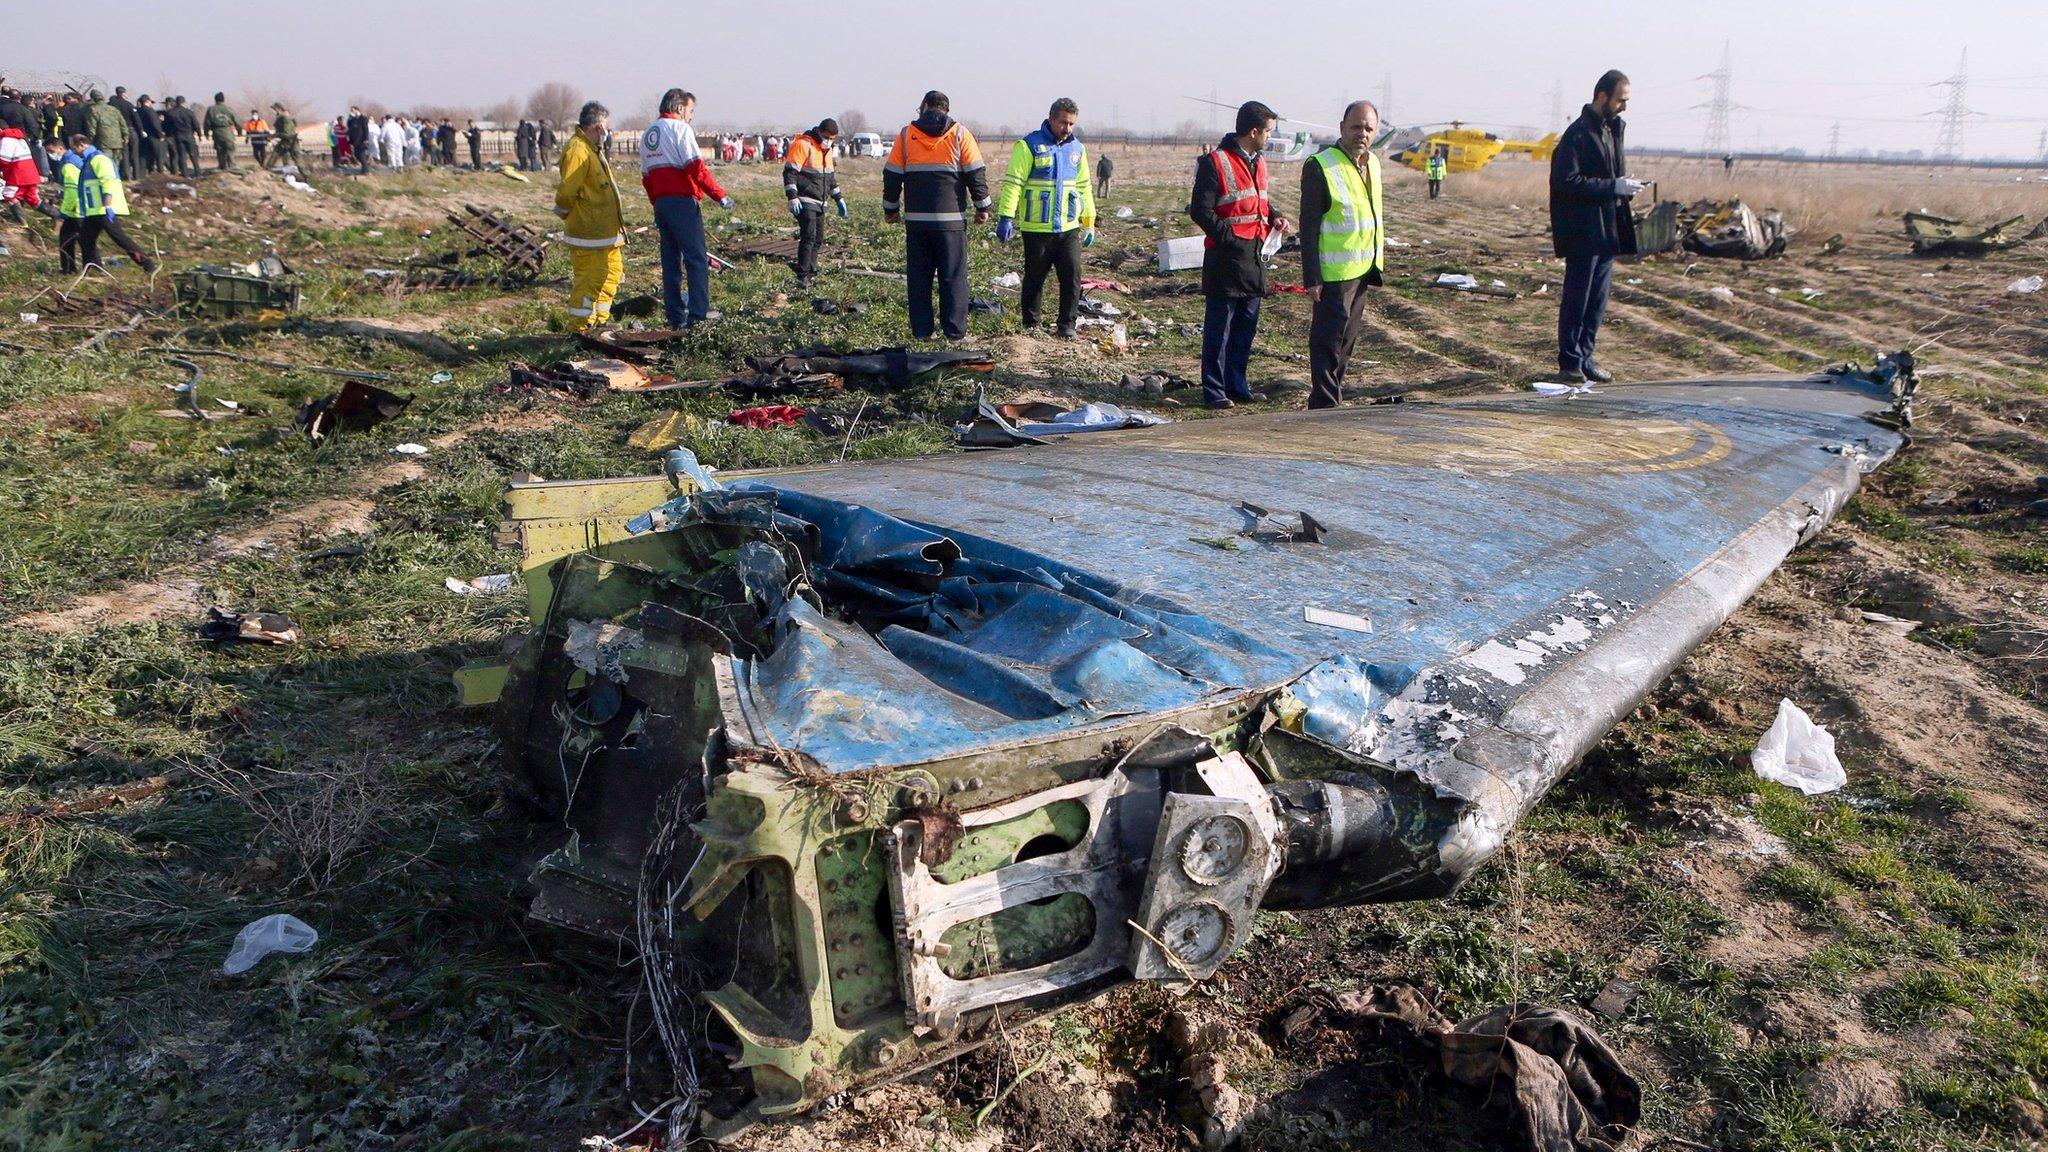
[[1716, 138], [1949, 145]]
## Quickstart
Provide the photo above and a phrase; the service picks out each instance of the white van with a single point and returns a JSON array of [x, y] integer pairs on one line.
[[866, 144]]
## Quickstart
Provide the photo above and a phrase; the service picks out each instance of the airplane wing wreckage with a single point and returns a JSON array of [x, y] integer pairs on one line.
[[858, 756]]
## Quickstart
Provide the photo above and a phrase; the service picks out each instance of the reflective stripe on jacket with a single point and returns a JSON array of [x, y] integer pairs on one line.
[[588, 198], [1350, 241], [1046, 188], [91, 186], [1436, 167], [1242, 205], [808, 173], [934, 173]]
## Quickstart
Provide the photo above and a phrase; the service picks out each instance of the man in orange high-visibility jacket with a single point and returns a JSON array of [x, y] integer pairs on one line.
[[809, 179], [933, 176]]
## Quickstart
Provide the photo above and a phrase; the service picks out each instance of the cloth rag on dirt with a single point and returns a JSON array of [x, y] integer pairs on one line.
[[1570, 1093], [767, 416]]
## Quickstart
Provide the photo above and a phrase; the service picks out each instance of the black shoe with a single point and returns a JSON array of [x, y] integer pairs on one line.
[[148, 266], [1219, 405], [1598, 375], [1067, 334], [1252, 398], [1571, 377]]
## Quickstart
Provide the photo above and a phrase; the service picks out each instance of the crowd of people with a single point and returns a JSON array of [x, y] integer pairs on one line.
[[933, 181]]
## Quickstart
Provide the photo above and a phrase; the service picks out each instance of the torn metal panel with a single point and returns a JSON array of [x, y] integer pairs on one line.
[[1945, 236], [938, 737]]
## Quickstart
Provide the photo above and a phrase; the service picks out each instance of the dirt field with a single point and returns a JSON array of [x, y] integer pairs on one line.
[[1862, 970]]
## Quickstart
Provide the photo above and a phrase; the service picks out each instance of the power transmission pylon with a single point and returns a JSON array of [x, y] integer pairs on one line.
[[1835, 140], [1387, 99], [1556, 105], [1949, 145], [1715, 142], [2041, 149]]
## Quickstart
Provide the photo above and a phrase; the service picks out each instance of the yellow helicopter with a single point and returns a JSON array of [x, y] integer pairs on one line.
[[1465, 149]]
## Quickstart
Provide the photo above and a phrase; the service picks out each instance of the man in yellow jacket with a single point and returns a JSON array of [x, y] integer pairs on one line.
[[594, 228], [1047, 195]]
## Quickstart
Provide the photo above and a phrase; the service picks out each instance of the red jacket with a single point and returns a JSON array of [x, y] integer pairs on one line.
[[18, 167], [670, 164]]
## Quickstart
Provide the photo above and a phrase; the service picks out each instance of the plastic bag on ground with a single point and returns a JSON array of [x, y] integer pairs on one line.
[[2027, 284], [275, 933], [1798, 753]]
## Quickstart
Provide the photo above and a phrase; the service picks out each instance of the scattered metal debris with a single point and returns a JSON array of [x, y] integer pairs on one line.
[[1946, 236], [221, 292], [887, 756], [520, 251], [251, 627], [357, 406], [1566, 1089]]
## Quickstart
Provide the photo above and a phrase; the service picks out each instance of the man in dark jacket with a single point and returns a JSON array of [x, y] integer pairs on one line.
[[74, 117], [149, 125], [445, 137], [544, 146], [358, 131], [183, 125], [522, 146], [1231, 207], [1590, 223], [475, 136]]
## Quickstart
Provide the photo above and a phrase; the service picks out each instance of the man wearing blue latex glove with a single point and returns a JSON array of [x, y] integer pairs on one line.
[[1048, 183], [809, 179]]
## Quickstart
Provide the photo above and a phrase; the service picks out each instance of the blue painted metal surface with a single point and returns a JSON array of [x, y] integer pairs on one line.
[[1453, 524]]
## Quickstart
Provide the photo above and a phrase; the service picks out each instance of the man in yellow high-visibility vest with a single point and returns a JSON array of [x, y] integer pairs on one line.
[[1343, 246]]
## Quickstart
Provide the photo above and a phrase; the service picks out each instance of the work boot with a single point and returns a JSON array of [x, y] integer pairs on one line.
[[1252, 398], [1220, 405], [1067, 333], [149, 266], [1571, 377], [1598, 375]]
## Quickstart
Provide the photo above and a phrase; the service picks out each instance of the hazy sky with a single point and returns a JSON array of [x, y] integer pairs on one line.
[[1800, 66]]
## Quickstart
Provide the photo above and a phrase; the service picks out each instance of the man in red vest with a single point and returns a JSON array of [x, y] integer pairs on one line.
[[1231, 206]]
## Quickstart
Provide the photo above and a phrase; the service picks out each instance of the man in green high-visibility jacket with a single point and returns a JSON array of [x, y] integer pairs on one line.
[[94, 202], [1343, 246], [1047, 196], [1436, 169]]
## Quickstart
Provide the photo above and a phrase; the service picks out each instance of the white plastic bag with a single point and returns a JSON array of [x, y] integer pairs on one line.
[[275, 933], [2025, 285], [1798, 753]]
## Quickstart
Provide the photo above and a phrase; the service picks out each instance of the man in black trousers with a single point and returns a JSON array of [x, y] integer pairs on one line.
[[1590, 223]]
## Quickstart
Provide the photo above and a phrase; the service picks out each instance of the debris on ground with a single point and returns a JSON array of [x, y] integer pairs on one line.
[[357, 406], [1614, 999], [85, 805], [1732, 230], [618, 375], [767, 416], [1202, 1049], [480, 585], [1567, 1088], [1946, 236], [409, 449], [264, 289], [1028, 422], [1264, 526], [665, 431], [251, 627], [274, 933], [1465, 282], [2025, 285], [1798, 753], [522, 377]]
